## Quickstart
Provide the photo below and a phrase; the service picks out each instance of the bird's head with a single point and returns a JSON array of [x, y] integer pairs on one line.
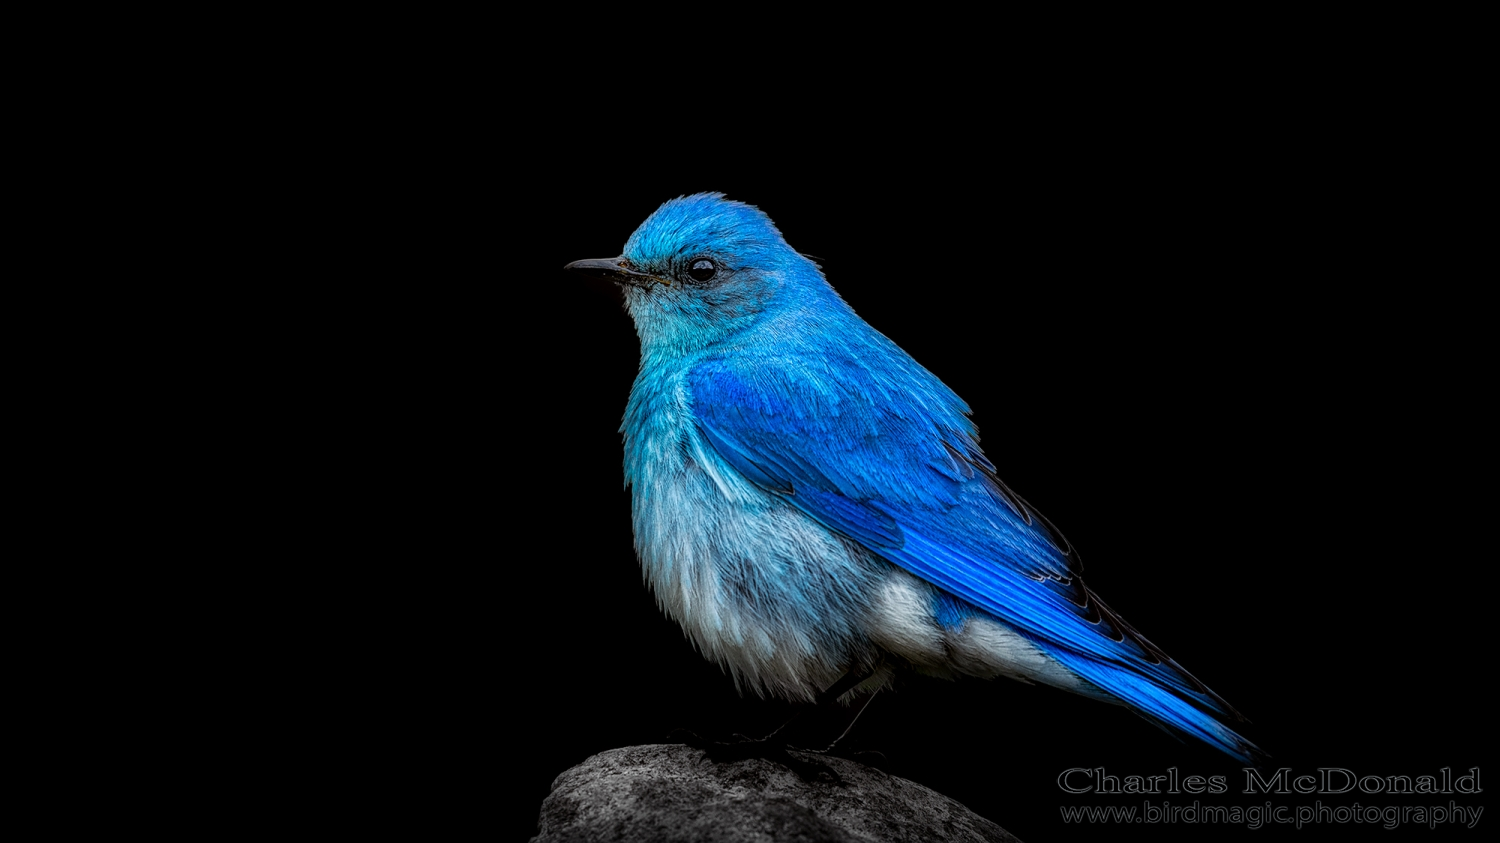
[[702, 268]]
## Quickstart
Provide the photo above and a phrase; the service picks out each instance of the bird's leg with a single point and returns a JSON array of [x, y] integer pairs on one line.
[[848, 715], [802, 729], [833, 722]]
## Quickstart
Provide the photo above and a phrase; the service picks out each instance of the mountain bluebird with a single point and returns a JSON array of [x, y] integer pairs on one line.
[[813, 507]]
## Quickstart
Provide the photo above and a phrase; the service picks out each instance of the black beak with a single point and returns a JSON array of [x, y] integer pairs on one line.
[[617, 270]]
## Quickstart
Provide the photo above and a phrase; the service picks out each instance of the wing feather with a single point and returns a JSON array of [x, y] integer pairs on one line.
[[916, 489]]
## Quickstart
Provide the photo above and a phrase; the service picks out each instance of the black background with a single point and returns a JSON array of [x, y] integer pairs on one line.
[[1219, 338], [1211, 349], [1222, 328]]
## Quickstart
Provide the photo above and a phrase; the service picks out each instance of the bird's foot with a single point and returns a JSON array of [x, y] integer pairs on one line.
[[741, 748], [869, 758]]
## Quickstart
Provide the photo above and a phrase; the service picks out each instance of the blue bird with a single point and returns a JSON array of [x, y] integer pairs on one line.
[[813, 507]]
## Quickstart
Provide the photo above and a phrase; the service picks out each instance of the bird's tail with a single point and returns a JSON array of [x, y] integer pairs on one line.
[[1162, 692]]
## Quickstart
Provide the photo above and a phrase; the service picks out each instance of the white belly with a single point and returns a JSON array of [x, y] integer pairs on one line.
[[787, 606]]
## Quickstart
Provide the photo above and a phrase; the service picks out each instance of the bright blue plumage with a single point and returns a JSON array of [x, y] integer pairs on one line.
[[809, 501]]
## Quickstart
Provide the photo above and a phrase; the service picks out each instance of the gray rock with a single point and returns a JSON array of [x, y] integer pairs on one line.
[[670, 793]]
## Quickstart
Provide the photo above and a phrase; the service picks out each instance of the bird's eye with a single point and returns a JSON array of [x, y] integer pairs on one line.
[[702, 269]]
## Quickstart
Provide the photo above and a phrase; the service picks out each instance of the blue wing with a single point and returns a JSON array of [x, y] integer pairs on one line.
[[887, 456]]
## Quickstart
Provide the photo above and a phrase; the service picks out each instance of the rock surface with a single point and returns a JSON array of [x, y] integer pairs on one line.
[[673, 793]]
